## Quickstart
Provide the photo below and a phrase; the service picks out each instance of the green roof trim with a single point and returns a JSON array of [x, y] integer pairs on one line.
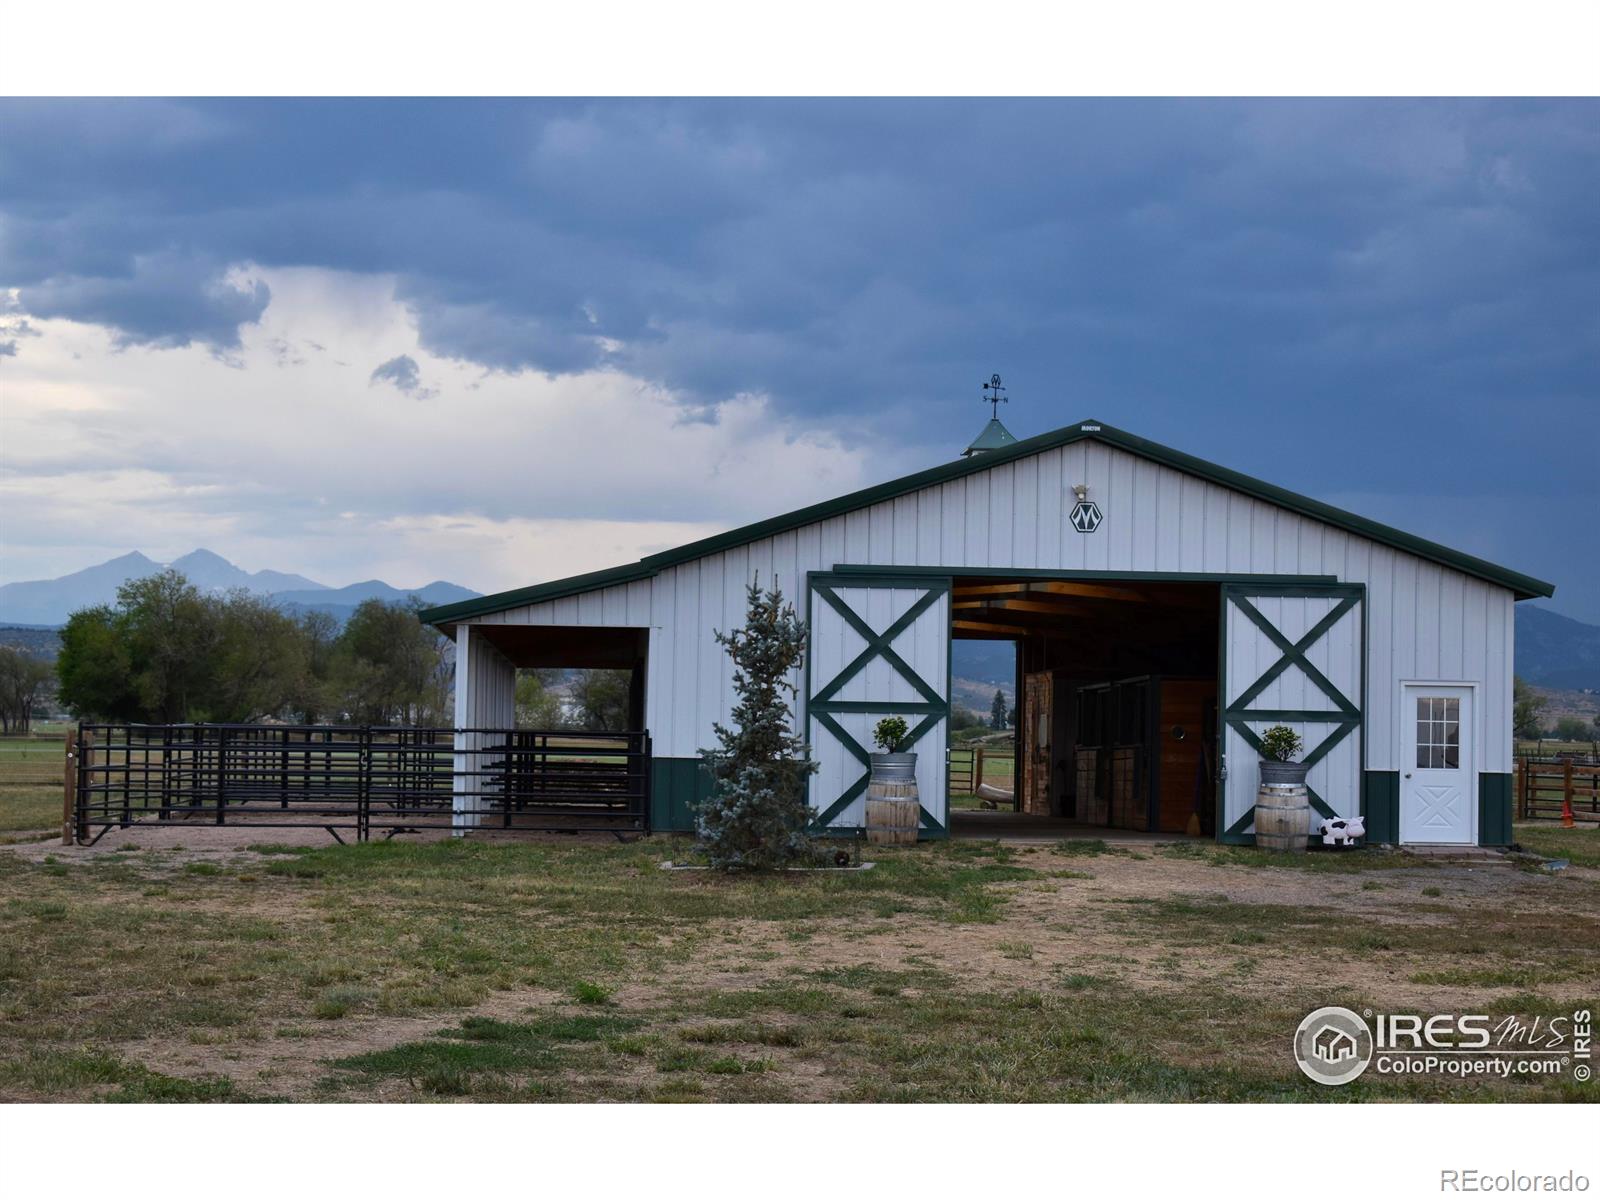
[[1524, 586], [556, 589]]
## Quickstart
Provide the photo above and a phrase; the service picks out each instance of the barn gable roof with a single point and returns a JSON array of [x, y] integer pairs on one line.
[[1524, 586]]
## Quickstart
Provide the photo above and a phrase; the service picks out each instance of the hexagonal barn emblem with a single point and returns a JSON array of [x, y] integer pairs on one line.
[[1085, 516]]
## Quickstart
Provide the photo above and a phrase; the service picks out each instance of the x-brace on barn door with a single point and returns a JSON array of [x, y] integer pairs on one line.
[[1292, 655], [878, 647]]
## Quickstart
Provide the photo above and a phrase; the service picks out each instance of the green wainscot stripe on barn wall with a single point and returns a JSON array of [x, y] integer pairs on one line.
[[676, 786], [1494, 808], [1380, 804]]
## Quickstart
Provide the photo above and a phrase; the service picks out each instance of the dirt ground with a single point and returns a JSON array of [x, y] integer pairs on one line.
[[1130, 919]]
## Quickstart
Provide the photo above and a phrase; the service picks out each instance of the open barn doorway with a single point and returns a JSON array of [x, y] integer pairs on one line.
[[984, 685], [570, 739], [1115, 723], [579, 678]]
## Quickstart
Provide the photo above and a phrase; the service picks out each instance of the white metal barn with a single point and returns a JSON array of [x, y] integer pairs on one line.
[[1164, 611]]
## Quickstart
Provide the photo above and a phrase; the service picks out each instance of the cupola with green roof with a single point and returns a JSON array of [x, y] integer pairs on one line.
[[995, 436]]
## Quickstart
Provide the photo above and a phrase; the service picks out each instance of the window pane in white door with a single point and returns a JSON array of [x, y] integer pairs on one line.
[[1438, 733]]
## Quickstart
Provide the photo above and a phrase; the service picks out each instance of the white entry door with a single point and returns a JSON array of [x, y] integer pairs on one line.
[[1438, 780]]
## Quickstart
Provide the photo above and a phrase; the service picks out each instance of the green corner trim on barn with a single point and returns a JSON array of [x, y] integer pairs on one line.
[[677, 787], [1494, 808], [1380, 806]]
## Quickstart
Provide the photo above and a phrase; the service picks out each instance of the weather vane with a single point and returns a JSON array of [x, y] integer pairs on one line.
[[996, 400]]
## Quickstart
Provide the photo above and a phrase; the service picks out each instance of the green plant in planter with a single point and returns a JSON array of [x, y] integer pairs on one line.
[[1281, 744], [889, 733]]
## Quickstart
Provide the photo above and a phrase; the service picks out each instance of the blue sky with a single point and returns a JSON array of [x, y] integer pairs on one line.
[[503, 341]]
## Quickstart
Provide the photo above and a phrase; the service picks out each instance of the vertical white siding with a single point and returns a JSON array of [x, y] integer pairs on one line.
[[1424, 621], [486, 698], [486, 684]]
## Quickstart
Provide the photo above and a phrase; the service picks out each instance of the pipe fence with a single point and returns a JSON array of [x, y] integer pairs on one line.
[[349, 779]]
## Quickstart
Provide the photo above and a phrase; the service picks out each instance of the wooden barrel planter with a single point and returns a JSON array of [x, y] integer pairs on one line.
[[893, 805], [1283, 808]]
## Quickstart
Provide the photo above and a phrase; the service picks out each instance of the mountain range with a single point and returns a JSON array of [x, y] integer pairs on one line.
[[1556, 651], [1552, 650], [51, 601]]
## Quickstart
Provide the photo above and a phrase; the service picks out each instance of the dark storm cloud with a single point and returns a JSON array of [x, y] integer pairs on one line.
[[158, 299], [1404, 292], [401, 371]]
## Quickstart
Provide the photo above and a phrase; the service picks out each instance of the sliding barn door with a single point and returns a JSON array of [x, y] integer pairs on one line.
[[1296, 656], [879, 646]]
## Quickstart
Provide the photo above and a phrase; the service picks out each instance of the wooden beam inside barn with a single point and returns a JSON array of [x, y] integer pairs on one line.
[[567, 645]]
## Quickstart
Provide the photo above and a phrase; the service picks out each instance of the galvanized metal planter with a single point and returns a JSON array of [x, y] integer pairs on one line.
[[1275, 772], [893, 768]]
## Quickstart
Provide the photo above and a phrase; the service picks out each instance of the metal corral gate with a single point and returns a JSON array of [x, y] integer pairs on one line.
[[356, 779]]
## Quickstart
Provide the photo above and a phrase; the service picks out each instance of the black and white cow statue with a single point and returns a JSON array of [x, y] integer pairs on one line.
[[1342, 831]]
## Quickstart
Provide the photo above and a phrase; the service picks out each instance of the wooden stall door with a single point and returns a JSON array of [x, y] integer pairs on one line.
[[1038, 729]]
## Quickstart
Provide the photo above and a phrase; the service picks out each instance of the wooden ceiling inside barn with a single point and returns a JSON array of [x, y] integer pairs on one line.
[[1131, 626]]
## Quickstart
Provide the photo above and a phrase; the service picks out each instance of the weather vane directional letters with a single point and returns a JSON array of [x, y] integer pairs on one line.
[[996, 399]]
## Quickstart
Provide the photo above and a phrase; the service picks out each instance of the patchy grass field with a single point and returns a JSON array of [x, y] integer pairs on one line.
[[1580, 846], [30, 788], [570, 970]]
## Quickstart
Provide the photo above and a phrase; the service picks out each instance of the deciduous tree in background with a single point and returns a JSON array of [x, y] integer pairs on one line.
[[167, 653], [602, 699], [757, 815], [388, 668], [1527, 711], [172, 637], [319, 634], [538, 707], [965, 718], [148, 658], [262, 661], [94, 669], [23, 681], [1572, 729]]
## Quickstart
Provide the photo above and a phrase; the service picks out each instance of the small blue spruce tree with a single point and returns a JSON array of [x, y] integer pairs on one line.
[[757, 816]]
